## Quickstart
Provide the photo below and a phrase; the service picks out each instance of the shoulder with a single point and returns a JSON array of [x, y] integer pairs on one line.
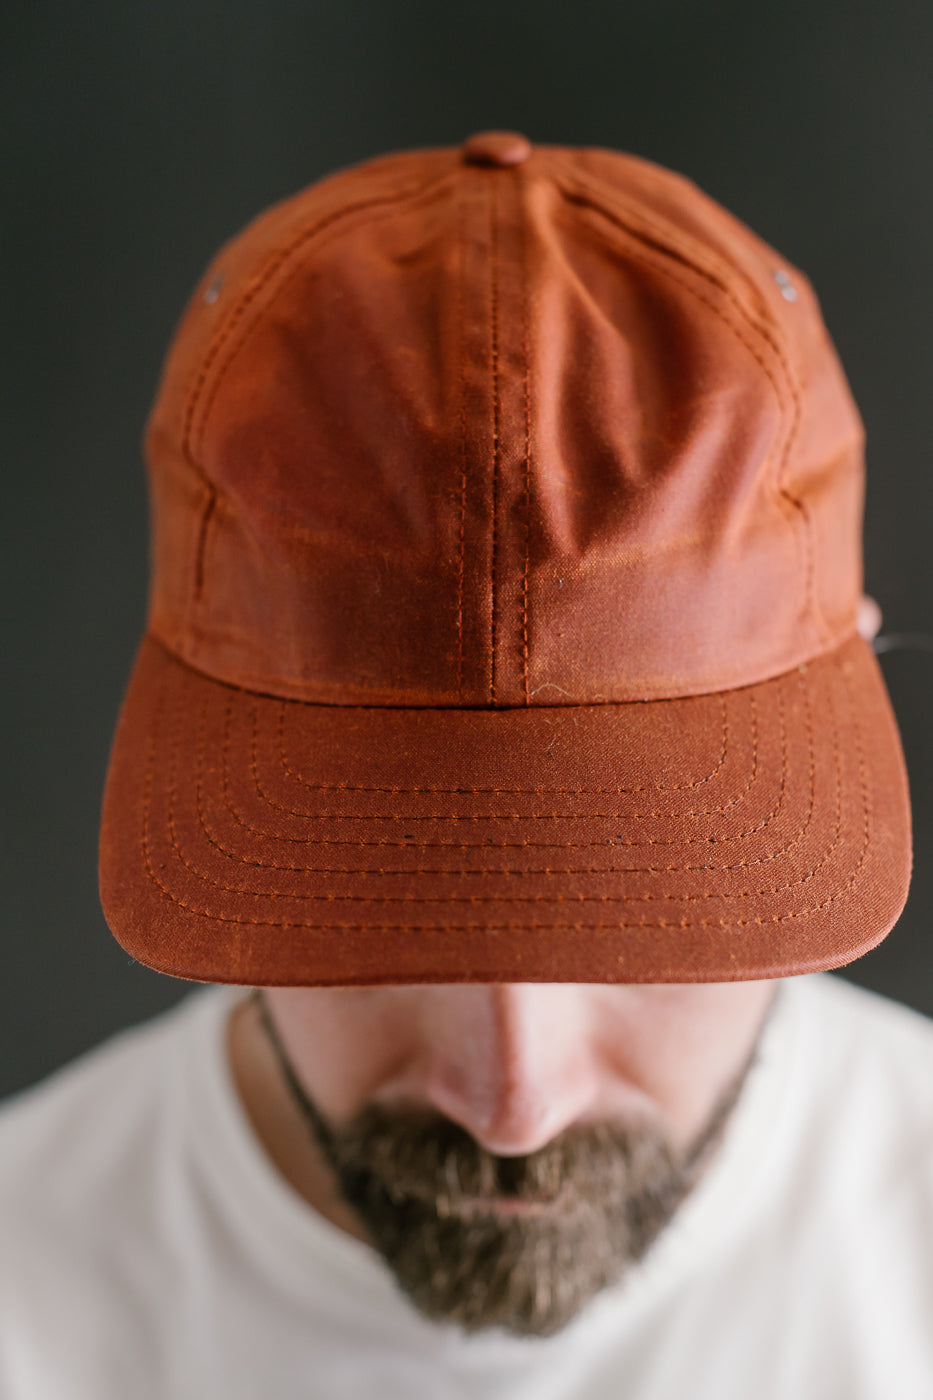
[[82, 1139], [91, 1164], [863, 1078], [113, 1077], [847, 1021]]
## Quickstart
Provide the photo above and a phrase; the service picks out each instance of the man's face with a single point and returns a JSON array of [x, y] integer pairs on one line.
[[512, 1149]]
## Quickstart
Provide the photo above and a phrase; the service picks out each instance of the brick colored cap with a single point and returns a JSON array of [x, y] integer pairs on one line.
[[506, 514]]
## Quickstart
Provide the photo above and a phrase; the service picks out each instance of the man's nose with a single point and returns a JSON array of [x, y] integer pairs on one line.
[[510, 1063]]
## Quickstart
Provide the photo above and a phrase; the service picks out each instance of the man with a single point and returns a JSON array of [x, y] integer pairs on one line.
[[504, 720]]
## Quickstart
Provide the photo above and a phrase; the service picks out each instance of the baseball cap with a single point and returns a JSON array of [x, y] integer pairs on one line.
[[506, 513]]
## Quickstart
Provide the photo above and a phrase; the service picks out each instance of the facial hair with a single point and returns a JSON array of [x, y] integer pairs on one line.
[[520, 1243]]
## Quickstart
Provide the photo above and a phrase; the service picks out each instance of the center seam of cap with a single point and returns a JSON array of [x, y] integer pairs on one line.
[[461, 323], [526, 391], [494, 367]]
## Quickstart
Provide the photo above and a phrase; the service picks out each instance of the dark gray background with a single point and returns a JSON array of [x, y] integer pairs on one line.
[[136, 137]]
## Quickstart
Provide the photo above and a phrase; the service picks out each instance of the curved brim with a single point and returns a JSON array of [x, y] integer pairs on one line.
[[754, 834]]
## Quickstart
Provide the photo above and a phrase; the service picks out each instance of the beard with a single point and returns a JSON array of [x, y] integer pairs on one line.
[[520, 1243]]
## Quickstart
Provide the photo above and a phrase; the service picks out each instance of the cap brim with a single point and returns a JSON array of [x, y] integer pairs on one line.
[[752, 834]]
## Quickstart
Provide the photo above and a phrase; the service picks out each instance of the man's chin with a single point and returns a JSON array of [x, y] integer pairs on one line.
[[524, 1265]]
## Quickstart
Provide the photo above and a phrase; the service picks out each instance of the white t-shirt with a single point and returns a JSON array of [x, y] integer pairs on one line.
[[150, 1251]]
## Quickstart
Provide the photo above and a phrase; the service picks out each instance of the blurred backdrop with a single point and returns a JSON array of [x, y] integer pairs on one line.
[[137, 137]]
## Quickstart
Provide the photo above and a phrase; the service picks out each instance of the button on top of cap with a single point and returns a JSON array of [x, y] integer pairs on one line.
[[497, 148]]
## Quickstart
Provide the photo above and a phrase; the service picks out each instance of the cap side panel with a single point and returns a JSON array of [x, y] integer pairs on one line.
[[269, 283], [735, 302], [778, 300], [277, 455], [695, 416], [243, 257], [673, 211], [206, 328], [743, 294]]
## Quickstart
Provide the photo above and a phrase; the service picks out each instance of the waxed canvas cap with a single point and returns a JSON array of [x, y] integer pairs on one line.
[[506, 556]]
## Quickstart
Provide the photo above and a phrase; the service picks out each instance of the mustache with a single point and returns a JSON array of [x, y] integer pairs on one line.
[[429, 1159]]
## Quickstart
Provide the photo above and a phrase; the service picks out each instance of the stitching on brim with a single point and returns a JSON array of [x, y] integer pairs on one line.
[[615, 817], [615, 925], [488, 846], [680, 898], [544, 792], [508, 792], [477, 899]]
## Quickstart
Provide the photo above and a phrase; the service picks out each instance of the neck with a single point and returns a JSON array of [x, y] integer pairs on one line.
[[276, 1119]]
